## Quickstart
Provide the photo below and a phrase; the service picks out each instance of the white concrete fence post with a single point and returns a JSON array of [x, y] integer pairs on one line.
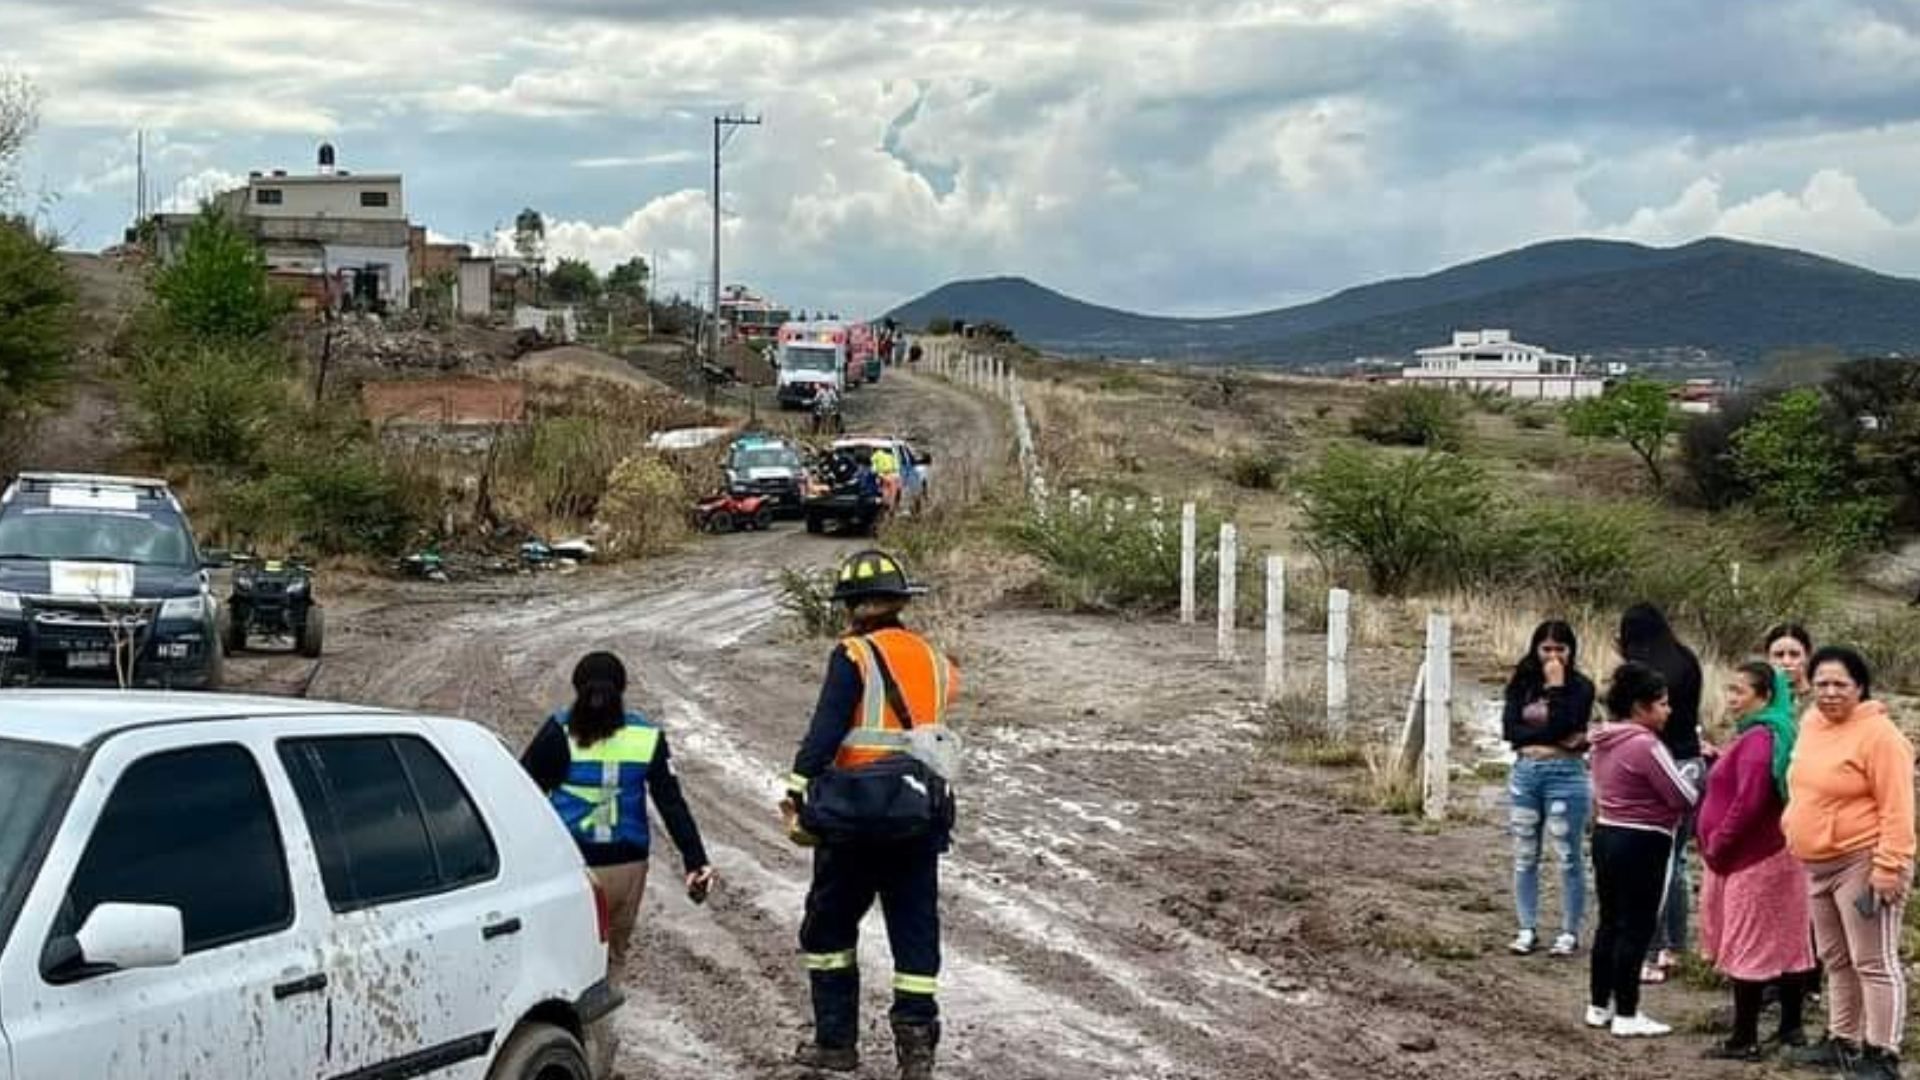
[[1339, 609], [1275, 685], [1229, 590], [1437, 755], [1189, 558]]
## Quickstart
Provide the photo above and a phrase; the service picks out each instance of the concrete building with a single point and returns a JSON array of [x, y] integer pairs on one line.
[[473, 292], [1492, 360], [332, 233]]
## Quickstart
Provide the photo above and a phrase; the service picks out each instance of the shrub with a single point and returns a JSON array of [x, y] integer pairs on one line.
[[807, 595], [1407, 520], [1533, 419], [567, 461], [1131, 566], [218, 287], [1891, 647], [339, 500], [1693, 582], [212, 405], [1259, 470], [1801, 470], [36, 325], [1413, 416], [1706, 452], [1575, 552], [644, 508]]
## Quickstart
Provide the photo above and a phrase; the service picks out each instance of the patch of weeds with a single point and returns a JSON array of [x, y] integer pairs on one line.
[[1492, 771], [1388, 789], [1297, 729], [1694, 972], [807, 595], [1258, 470], [1422, 943]]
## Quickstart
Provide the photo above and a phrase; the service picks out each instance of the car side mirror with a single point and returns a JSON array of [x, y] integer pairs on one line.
[[119, 937]]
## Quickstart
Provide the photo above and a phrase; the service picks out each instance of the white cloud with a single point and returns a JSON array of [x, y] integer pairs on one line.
[[1829, 215], [670, 157]]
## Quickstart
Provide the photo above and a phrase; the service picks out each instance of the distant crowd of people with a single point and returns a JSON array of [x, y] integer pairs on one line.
[[1804, 822]]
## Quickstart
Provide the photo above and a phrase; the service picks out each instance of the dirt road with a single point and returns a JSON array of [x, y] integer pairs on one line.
[[1136, 889]]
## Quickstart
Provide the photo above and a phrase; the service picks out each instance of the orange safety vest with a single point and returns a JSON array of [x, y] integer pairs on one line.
[[926, 682]]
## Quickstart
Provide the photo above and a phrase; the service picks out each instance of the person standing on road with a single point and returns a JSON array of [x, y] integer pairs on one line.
[[1643, 797], [598, 761], [1850, 819], [883, 682], [1754, 922], [1646, 637], [1549, 704]]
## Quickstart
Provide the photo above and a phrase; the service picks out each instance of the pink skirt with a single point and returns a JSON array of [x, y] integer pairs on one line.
[[1755, 925]]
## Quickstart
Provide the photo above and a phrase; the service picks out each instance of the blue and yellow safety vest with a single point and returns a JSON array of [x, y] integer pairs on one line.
[[604, 799]]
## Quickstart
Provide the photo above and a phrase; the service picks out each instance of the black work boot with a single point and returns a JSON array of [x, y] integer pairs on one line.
[[913, 1043], [827, 1058], [1875, 1063], [1827, 1053]]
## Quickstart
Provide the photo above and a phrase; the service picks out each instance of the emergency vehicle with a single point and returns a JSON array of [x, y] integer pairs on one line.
[[811, 355]]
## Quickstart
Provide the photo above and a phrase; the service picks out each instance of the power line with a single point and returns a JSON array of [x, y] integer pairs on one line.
[[723, 129]]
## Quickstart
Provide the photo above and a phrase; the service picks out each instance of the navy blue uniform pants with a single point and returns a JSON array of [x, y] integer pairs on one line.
[[847, 878]]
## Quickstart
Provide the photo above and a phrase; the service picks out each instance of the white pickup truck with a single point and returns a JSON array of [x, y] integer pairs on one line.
[[231, 887]]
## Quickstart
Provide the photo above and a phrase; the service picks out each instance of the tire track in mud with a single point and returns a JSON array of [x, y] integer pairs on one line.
[[1045, 975]]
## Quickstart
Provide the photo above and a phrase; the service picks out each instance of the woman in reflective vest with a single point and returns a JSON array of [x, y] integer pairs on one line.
[[598, 761]]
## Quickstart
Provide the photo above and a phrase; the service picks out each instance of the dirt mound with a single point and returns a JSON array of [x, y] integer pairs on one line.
[[374, 348], [578, 362]]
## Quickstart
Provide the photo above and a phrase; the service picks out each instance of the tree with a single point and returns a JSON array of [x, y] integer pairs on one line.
[[36, 325], [218, 288], [1402, 517], [629, 279], [530, 242], [1636, 412], [573, 281], [939, 326], [19, 116], [1802, 469]]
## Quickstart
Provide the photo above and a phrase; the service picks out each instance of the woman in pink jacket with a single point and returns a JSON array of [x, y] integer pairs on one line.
[[1754, 919], [1642, 797]]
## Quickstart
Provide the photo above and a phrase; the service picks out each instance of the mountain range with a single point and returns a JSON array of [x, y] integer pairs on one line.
[[1721, 300]]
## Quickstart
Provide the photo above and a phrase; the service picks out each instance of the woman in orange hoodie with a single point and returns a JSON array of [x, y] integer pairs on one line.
[[1849, 817]]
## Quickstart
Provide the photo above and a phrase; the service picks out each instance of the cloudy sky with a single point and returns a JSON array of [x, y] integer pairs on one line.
[[1205, 156]]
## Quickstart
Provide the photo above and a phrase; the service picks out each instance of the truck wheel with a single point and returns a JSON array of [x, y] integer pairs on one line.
[[541, 1052], [313, 634], [815, 525]]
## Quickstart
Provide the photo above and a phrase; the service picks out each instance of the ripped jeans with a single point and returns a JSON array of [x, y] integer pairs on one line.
[[1550, 798]]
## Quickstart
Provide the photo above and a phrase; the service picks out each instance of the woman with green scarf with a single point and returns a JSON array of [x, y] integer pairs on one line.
[[1755, 924]]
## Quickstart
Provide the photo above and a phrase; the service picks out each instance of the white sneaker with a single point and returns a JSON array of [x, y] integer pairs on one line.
[[1524, 943], [1599, 1016], [1564, 945], [1639, 1027]]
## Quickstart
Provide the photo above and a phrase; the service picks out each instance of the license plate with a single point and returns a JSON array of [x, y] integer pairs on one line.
[[89, 661]]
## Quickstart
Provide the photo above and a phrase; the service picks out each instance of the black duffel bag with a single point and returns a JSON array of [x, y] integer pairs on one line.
[[895, 798]]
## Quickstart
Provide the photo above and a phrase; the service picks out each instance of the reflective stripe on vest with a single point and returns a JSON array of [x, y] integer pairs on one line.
[[874, 736], [604, 798]]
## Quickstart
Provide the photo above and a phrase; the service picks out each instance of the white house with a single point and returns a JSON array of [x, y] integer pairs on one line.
[[1492, 360]]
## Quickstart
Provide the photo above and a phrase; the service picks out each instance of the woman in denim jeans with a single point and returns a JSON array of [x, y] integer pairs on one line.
[[1548, 706]]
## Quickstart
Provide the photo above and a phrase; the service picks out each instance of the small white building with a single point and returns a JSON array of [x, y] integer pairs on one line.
[[1492, 360]]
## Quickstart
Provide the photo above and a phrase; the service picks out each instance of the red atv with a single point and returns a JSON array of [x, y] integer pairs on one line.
[[724, 513]]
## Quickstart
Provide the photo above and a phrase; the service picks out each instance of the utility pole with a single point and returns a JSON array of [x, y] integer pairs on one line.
[[723, 126]]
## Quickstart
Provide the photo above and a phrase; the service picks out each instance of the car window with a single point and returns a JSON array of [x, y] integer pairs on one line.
[[192, 829], [461, 846], [145, 539], [32, 777], [389, 820]]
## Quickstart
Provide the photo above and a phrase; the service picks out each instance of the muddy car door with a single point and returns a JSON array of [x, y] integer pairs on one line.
[[161, 937], [422, 946]]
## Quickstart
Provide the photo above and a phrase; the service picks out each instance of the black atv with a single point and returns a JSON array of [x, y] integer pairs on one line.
[[274, 598]]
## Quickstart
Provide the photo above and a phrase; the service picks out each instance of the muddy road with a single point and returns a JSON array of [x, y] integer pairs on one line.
[[1137, 888]]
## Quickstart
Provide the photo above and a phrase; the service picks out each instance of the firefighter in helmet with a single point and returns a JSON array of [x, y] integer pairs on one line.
[[879, 671]]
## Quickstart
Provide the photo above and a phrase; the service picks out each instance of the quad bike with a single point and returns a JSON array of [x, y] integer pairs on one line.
[[725, 513], [274, 598]]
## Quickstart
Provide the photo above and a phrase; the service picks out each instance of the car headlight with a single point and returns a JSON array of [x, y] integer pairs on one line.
[[183, 607], [10, 603]]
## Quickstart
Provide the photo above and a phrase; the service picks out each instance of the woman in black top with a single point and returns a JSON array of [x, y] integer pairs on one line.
[[1548, 706], [1647, 638]]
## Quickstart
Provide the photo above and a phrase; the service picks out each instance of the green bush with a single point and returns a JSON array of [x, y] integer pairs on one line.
[[1801, 469], [567, 460], [1407, 520], [807, 595], [1257, 470], [1575, 552], [36, 326], [1413, 416], [1891, 647], [212, 405], [218, 287], [644, 509], [1130, 566], [1692, 580], [329, 500]]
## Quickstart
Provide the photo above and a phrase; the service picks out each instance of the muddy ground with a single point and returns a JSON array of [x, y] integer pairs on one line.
[[1140, 886]]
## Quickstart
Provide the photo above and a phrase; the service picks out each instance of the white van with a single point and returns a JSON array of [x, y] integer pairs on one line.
[[231, 887]]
